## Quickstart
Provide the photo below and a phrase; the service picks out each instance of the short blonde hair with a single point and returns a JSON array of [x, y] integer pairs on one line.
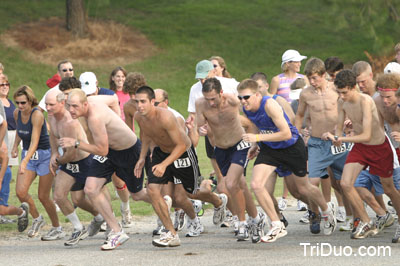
[[28, 92], [248, 84], [78, 92]]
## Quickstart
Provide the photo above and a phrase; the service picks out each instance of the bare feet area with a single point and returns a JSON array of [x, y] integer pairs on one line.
[[108, 43]]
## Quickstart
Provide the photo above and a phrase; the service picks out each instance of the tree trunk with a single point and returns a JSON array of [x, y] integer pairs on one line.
[[76, 18]]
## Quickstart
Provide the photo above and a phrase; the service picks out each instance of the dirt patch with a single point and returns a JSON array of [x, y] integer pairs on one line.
[[109, 43]]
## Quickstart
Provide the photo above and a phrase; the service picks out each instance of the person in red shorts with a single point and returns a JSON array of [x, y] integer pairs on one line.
[[371, 148]]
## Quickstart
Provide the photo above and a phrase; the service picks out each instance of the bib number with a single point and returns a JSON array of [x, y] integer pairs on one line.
[[74, 168], [342, 148], [35, 156], [243, 145], [182, 163], [100, 159]]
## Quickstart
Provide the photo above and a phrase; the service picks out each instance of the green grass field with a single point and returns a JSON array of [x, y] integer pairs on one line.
[[250, 35]]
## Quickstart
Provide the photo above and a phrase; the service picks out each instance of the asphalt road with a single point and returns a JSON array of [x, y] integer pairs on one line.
[[217, 246]]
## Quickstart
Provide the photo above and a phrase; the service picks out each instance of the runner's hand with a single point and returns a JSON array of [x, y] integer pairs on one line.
[[67, 142], [253, 152], [395, 135], [138, 168], [158, 170], [248, 137]]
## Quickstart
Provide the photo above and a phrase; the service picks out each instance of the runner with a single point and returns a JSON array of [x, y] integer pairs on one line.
[[280, 148]]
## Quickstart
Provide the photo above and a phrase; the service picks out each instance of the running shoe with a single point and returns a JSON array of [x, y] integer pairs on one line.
[[396, 236], [301, 206], [53, 234], [305, 219], [257, 231], [76, 236], [274, 233], [341, 215], [228, 219], [23, 219], [6, 220], [114, 240], [284, 221], [195, 228], [180, 220], [94, 227], [243, 232], [356, 222], [167, 240], [159, 229], [197, 206], [220, 212], [364, 230], [348, 225], [235, 221], [127, 219], [329, 222], [389, 219], [36, 225], [315, 222], [282, 204]]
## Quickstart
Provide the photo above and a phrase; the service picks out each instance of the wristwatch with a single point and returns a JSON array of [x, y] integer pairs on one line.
[[335, 137], [77, 142], [57, 161]]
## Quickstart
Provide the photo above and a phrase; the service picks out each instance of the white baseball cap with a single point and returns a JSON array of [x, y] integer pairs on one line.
[[88, 82], [392, 67], [292, 55]]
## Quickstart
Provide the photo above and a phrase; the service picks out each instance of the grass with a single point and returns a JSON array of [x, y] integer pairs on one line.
[[250, 35]]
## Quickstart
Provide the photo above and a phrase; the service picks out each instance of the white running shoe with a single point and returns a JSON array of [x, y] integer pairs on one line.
[[195, 228], [301, 206], [53, 234], [329, 222], [282, 204], [167, 240], [36, 225], [341, 215], [305, 219], [220, 212], [180, 220], [274, 233], [348, 225], [127, 219], [115, 240]]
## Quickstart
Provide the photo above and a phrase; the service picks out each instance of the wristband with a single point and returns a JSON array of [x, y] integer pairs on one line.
[[335, 138], [258, 138]]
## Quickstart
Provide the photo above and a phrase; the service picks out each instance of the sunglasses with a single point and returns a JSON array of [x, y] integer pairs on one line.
[[215, 66], [70, 69], [20, 103], [246, 97], [5, 85]]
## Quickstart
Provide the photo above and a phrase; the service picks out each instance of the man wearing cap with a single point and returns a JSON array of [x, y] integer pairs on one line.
[[320, 99], [65, 69], [392, 67], [90, 86], [280, 84]]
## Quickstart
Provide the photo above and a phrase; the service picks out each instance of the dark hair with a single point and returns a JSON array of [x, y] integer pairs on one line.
[[345, 78], [132, 82], [212, 84], [146, 90], [333, 64], [113, 73], [62, 63], [68, 83], [259, 76]]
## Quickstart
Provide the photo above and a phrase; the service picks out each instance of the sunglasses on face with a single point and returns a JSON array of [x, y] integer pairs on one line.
[[5, 85], [20, 103], [215, 66], [66, 69], [246, 97]]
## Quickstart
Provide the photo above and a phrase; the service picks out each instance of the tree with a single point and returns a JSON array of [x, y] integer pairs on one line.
[[77, 18]]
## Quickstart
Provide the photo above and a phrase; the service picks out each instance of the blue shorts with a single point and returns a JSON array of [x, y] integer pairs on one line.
[[39, 161], [367, 180], [5, 187], [320, 157], [79, 171], [236, 154], [122, 163]]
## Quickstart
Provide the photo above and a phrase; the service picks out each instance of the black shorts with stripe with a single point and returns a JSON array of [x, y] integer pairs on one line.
[[184, 170]]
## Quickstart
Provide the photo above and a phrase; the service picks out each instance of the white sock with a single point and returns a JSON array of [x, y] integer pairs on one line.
[[39, 218], [125, 206], [276, 223], [98, 218], [255, 219], [73, 218]]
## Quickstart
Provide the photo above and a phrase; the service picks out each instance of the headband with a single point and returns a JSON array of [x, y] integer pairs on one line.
[[384, 89]]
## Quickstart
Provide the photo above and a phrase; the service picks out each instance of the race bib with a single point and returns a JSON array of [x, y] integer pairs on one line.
[[74, 168], [243, 145], [342, 148], [35, 156], [182, 163], [100, 159]]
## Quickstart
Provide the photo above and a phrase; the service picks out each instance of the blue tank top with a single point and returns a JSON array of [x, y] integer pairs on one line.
[[11, 125], [25, 132], [267, 126]]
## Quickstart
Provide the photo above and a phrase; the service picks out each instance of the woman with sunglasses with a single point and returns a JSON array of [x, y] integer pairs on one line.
[[35, 160], [9, 109], [219, 67], [291, 63]]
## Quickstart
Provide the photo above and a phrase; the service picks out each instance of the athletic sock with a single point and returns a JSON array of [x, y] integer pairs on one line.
[[98, 218], [73, 218], [125, 206]]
